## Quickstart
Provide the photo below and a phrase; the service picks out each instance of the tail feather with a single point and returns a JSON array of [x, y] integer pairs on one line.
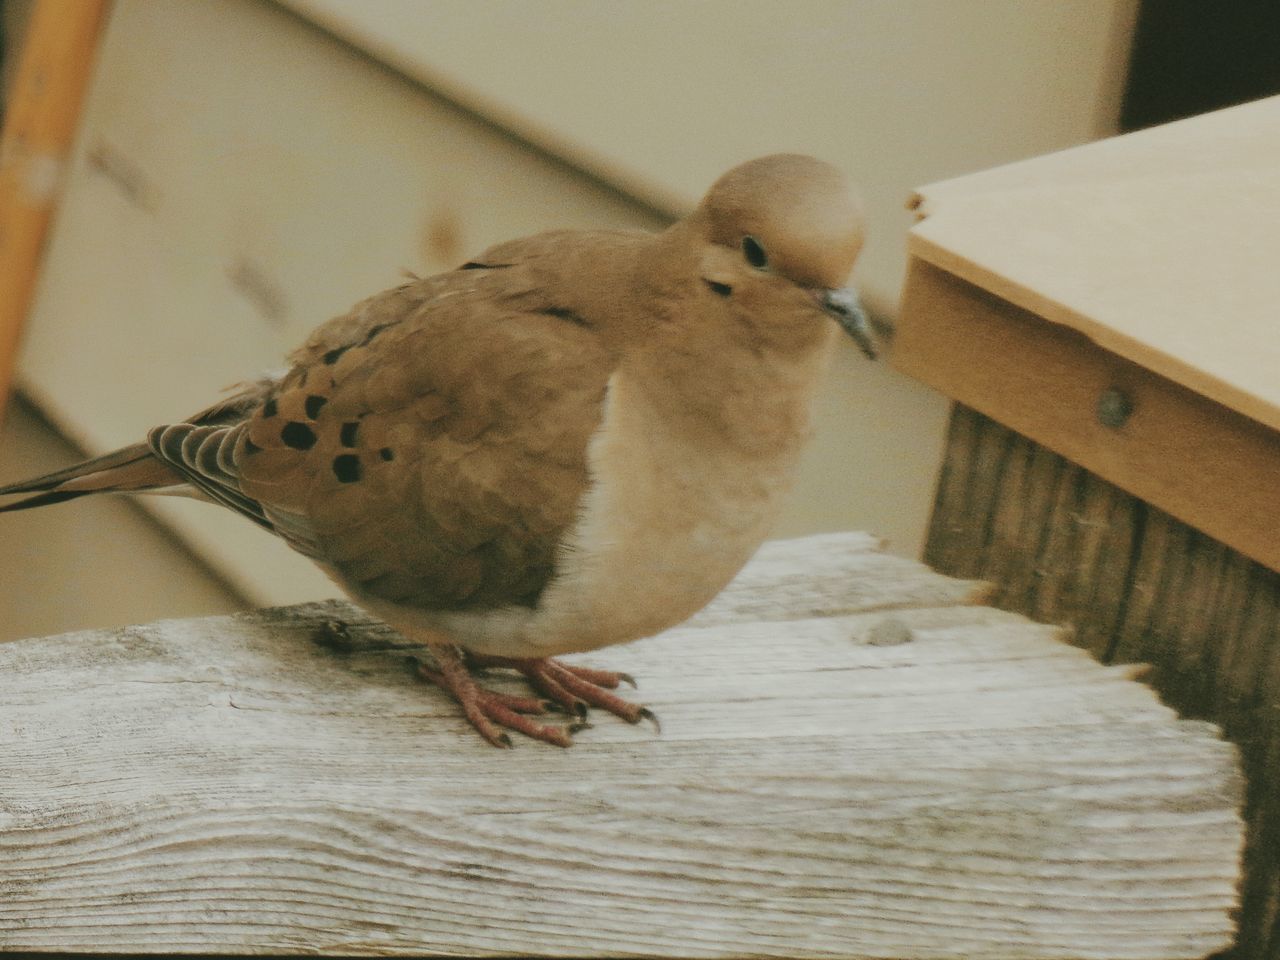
[[41, 499], [128, 469]]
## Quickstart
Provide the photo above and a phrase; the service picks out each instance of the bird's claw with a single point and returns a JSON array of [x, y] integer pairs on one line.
[[567, 687], [489, 711]]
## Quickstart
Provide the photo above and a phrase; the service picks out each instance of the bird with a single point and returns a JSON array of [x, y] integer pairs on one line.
[[572, 440]]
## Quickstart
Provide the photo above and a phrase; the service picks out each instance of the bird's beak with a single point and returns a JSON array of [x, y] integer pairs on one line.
[[842, 304]]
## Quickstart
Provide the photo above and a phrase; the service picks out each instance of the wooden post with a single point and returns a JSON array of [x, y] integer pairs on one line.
[[40, 124], [1104, 319], [1061, 544], [856, 761]]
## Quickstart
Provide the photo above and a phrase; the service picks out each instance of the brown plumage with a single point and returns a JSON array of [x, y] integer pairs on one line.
[[575, 439]]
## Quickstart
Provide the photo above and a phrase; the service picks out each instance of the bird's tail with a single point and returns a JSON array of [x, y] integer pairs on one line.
[[129, 469]]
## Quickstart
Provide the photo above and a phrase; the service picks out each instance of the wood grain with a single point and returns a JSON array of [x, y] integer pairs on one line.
[[40, 123], [855, 761], [1190, 456], [1137, 586]]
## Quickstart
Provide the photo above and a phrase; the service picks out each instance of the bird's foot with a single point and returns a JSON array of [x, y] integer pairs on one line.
[[488, 710], [574, 688]]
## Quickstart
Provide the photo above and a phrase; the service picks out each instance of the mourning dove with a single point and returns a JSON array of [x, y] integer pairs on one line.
[[573, 440]]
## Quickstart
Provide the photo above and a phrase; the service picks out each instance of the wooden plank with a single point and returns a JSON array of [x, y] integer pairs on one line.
[[1206, 618], [1056, 572], [40, 123], [1207, 465], [855, 761], [1159, 246]]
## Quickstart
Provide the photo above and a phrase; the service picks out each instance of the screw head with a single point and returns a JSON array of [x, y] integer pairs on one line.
[[1114, 408]]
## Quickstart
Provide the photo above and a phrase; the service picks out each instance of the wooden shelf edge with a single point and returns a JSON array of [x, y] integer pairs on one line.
[[921, 246], [1187, 454]]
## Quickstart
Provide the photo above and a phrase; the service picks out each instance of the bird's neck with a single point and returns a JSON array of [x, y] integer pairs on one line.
[[699, 375], [760, 406], [706, 375]]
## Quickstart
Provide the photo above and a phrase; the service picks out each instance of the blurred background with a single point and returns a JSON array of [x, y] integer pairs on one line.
[[246, 169]]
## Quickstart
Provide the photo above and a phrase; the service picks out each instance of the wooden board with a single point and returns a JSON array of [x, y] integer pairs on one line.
[[1206, 464], [1061, 544], [855, 761], [41, 118], [1159, 246]]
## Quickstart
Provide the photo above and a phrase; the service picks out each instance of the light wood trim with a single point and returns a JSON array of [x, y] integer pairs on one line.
[[1196, 459], [40, 124], [1158, 245]]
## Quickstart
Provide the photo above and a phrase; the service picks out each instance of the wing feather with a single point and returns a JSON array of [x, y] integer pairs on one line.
[[429, 447], [180, 446]]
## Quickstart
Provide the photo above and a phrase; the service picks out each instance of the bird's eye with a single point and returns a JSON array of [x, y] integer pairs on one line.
[[754, 253]]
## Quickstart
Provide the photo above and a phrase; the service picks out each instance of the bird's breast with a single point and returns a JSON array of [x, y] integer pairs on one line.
[[673, 512]]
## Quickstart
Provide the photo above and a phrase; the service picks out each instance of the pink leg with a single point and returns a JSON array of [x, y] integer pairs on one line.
[[487, 710], [574, 688]]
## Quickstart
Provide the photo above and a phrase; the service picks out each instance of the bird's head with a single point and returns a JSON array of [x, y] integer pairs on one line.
[[779, 239]]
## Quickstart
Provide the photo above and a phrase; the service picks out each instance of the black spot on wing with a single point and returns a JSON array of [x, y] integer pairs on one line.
[[298, 435], [346, 468], [477, 265], [373, 332]]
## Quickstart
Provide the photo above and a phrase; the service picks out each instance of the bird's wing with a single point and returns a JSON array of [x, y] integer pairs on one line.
[[429, 446]]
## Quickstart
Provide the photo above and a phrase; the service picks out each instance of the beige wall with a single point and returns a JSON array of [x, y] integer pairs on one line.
[[242, 176], [661, 96]]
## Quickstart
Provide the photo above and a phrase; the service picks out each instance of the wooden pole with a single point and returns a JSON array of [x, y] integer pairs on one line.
[[39, 126]]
